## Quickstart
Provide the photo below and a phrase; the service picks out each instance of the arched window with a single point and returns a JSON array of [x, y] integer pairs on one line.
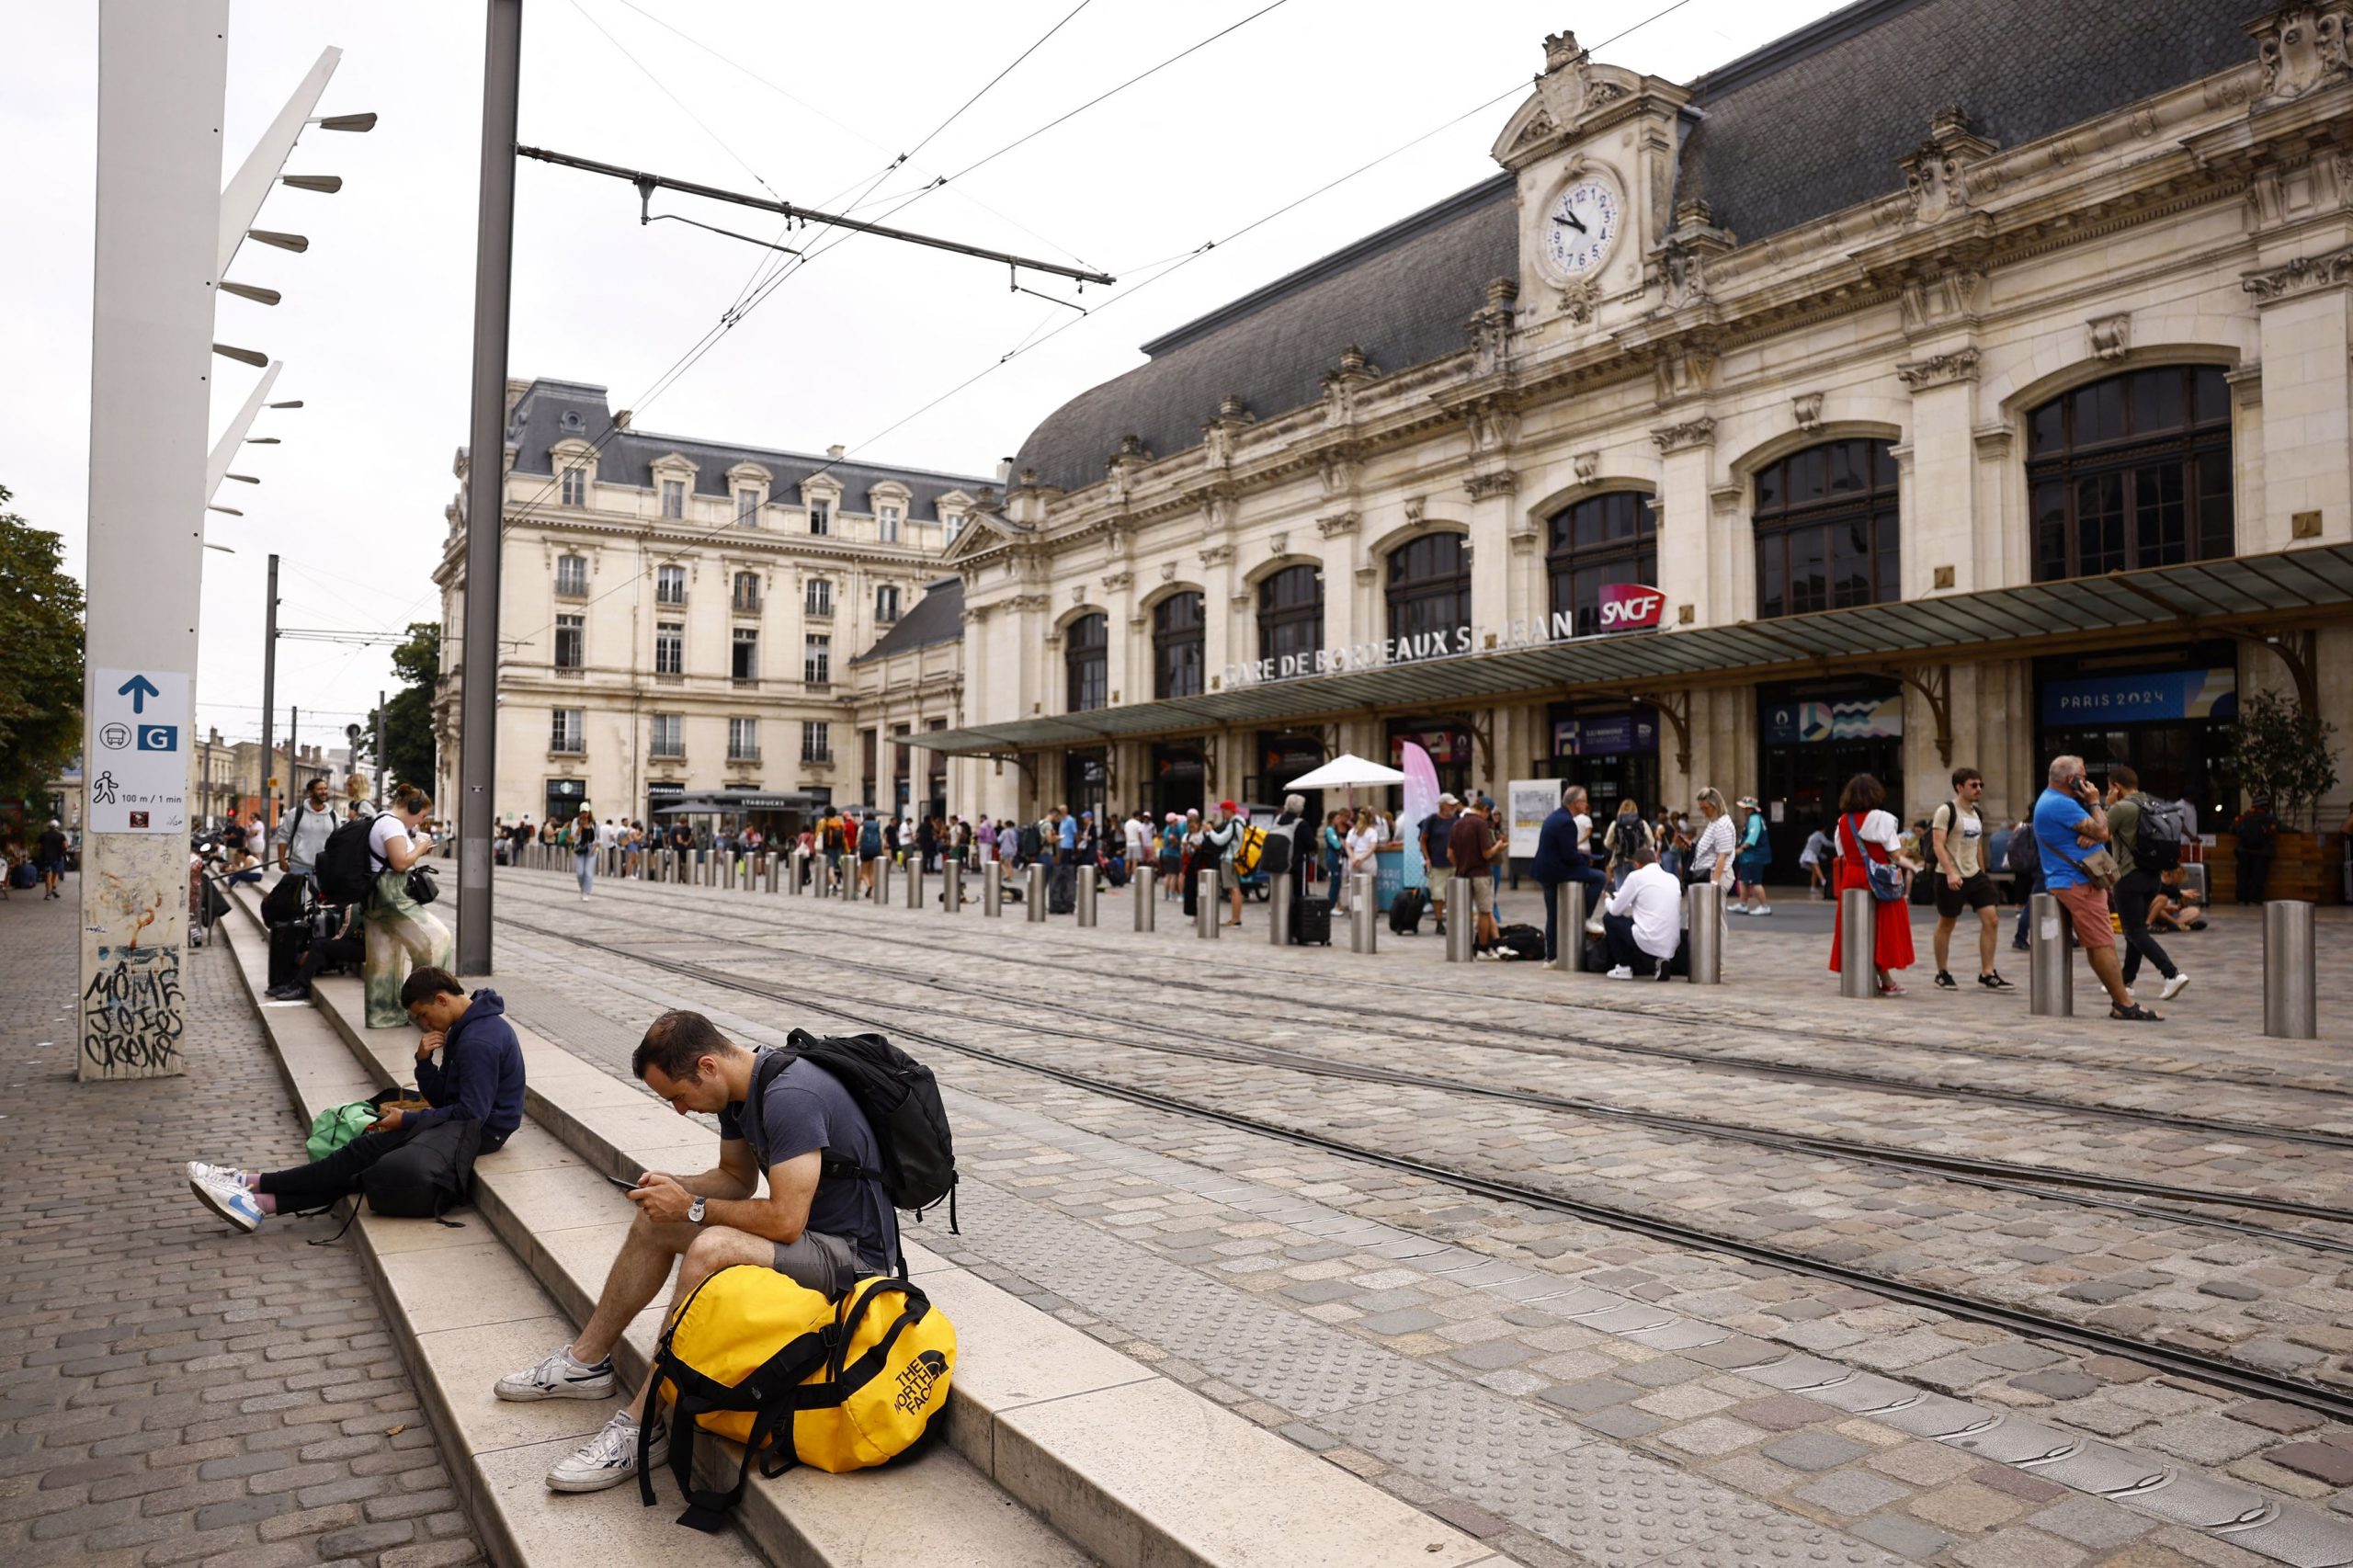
[[2131, 471], [1290, 616], [1602, 539], [1429, 594], [1086, 644], [1827, 530], [1176, 646]]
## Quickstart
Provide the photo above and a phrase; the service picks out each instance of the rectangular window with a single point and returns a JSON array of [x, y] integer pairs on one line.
[[746, 657], [564, 733], [886, 518], [747, 597], [670, 585], [818, 660], [747, 509], [821, 516], [742, 740], [821, 596], [886, 605], [815, 743], [669, 735], [954, 526], [669, 648], [674, 497], [570, 633], [575, 487], [572, 575]]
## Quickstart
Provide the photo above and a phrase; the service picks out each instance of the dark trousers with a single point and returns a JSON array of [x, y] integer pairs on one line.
[[1594, 883], [1618, 936], [2255, 871], [2027, 891], [321, 1182], [2131, 897], [348, 953]]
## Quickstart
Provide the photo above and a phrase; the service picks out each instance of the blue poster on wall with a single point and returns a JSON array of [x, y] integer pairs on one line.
[[1617, 735], [1805, 723], [2142, 699]]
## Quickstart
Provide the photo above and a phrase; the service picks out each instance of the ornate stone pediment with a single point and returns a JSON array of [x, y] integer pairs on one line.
[[1572, 97], [1937, 172], [2302, 48]]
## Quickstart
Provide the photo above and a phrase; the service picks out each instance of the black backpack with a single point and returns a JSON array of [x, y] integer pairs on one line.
[[2166, 827], [345, 870], [1521, 941], [1405, 911], [900, 1100], [2025, 856], [1274, 855], [1029, 841]]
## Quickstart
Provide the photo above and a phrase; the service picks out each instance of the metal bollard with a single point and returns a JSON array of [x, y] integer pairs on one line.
[[1146, 888], [951, 886], [1462, 931], [993, 889], [1033, 892], [847, 878], [2050, 964], [880, 891], [1205, 905], [727, 870], [2289, 1011], [914, 883], [1568, 921], [1857, 934], [1364, 915], [774, 864], [1082, 894], [1704, 912], [793, 870], [1279, 896]]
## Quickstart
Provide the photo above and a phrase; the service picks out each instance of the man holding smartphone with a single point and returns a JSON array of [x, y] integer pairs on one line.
[[2069, 824]]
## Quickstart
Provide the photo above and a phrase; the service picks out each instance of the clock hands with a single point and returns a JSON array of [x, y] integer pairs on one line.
[[1571, 220]]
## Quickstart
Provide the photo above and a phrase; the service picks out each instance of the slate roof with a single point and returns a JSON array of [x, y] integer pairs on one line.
[[1812, 124], [937, 617], [540, 421]]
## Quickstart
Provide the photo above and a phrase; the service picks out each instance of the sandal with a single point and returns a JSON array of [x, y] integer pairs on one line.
[[2135, 1013]]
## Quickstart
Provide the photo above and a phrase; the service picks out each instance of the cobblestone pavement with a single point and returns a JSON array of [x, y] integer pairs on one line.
[[1503, 1363], [169, 1391]]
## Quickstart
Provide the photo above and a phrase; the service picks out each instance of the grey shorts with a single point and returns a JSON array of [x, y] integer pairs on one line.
[[825, 1263]]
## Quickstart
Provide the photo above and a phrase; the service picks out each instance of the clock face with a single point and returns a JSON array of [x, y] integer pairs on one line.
[[1582, 226]]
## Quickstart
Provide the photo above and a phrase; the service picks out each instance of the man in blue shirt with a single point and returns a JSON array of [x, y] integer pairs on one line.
[[1558, 859], [2069, 823]]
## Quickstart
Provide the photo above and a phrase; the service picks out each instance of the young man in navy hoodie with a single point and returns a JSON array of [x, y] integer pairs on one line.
[[479, 1078]]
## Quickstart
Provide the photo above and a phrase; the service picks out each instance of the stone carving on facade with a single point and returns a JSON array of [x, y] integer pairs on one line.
[[1806, 409], [1279, 544], [2112, 336], [1688, 433], [1078, 593], [1682, 367], [1031, 601], [1577, 301], [1220, 434], [1682, 257], [1216, 554], [1492, 425], [1337, 524], [2302, 47], [1936, 173], [1368, 575], [1939, 369], [2302, 276], [1344, 384], [1949, 297], [1538, 127], [1500, 481], [1491, 328], [1586, 465], [1339, 472], [1723, 499], [1113, 582], [1169, 571]]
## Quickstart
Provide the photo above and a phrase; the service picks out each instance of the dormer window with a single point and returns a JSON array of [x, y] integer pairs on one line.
[[953, 522], [748, 506], [575, 487], [886, 520], [674, 497], [571, 422], [821, 516]]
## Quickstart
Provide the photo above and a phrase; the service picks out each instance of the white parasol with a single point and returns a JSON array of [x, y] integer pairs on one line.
[[1348, 771]]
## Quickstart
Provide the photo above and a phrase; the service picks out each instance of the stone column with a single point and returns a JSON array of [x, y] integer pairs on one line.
[[2305, 309]]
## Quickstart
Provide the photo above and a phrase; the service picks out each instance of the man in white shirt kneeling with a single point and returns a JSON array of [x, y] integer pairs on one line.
[[1643, 923]]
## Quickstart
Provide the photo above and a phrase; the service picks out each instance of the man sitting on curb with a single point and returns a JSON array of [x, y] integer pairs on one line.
[[823, 1223], [479, 1078], [1644, 920]]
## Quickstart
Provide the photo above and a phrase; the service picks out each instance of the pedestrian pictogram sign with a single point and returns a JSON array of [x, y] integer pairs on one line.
[[138, 780]]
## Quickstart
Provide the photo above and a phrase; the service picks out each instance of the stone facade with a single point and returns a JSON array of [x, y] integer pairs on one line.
[[2207, 225]]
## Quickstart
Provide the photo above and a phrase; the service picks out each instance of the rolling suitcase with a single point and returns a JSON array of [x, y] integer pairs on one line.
[[288, 942], [1311, 921], [1405, 911]]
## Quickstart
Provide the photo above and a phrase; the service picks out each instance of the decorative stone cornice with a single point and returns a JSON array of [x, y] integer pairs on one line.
[[1688, 433], [2305, 275], [1726, 498], [1216, 554], [1114, 582], [1031, 601], [1338, 522], [1939, 369], [1992, 442], [1502, 481]]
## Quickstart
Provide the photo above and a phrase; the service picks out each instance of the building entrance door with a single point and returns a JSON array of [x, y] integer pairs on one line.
[[1813, 738], [1179, 780]]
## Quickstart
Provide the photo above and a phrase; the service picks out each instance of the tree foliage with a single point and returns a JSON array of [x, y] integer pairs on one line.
[[408, 712], [41, 679], [2281, 753]]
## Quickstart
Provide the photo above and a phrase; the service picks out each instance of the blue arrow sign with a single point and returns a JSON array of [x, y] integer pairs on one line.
[[139, 688]]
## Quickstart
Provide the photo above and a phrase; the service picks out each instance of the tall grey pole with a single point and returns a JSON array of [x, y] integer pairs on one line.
[[381, 765], [486, 484], [293, 754], [269, 687]]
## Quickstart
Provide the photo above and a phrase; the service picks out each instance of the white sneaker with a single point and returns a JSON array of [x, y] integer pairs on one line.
[[198, 1171], [607, 1459], [1737, 909], [2176, 986], [1620, 972], [1593, 928], [1762, 909], [227, 1197], [559, 1377]]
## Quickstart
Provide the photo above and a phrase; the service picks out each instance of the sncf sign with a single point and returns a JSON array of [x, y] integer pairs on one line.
[[1628, 607]]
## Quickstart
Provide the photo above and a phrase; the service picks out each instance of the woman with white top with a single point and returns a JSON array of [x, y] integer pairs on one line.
[[401, 935], [584, 849], [1362, 840], [1712, 850], [1867, 833]]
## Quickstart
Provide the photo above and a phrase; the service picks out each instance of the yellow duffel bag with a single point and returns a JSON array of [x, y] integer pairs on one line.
[[755, 1357]]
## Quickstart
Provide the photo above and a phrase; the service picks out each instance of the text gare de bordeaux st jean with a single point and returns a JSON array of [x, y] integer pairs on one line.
[[1621, 606]]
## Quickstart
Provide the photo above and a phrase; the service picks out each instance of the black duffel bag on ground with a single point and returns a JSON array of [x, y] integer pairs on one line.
[[432, 1171]]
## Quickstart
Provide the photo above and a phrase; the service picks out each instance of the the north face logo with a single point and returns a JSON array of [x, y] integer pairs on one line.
[[915, 1383]]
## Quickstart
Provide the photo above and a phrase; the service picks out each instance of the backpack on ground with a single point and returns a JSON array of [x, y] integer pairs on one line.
[[900, 1100], [1520, 942], [2165, 828], [337, 1125], [755, 1357], [1249, 848], [1405, 911], [431, 1172], [345, 869]]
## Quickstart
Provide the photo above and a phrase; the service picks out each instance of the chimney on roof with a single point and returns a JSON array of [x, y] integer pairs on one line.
[[837, 450]]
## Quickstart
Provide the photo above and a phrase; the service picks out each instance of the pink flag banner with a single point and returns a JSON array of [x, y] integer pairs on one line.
[[1421, 800]]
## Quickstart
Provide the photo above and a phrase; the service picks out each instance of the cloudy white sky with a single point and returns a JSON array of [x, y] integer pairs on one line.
[[812, 102]]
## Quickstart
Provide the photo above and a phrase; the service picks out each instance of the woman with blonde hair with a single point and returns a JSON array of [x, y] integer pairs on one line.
[[1712, 848], [356, 803], [401, 935]]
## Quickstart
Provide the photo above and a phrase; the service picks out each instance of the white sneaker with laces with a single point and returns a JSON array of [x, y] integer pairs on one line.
[[198, 1171], [607, 1459], [227, 1197], [559, 1377], [1762, 909], [2176, 986], [1620, 972]]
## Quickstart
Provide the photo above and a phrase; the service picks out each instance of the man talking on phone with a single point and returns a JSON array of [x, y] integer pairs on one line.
[[824, 1220]]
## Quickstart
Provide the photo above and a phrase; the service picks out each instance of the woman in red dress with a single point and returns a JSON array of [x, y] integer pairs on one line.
[[1864, 829]]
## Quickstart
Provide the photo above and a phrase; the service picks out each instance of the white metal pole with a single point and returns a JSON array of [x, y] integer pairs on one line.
[[163, 74]]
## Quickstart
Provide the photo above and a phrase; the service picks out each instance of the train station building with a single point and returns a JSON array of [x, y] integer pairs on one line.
[[1997, 411]]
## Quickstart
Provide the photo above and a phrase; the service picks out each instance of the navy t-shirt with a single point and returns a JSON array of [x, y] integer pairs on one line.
[[806, 1108]]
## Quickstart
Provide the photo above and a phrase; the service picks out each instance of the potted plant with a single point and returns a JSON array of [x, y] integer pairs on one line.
[[2280, 754]]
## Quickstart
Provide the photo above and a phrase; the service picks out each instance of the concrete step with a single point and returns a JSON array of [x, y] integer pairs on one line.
[[1135, 1468]]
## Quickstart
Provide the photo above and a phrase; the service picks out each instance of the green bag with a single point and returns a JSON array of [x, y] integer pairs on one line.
[[339, 1125]]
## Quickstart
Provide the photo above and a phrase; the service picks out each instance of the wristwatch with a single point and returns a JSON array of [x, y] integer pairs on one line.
[[694, 1210]]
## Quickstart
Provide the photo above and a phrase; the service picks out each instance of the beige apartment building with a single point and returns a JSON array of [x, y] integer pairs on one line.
[[1971, 376], [680, 615]]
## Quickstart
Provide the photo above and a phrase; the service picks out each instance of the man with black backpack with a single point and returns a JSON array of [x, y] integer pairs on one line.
[[2145, 839], [826, 1220], [303, 832]]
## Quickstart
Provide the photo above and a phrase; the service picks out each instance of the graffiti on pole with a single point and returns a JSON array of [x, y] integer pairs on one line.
[[131, 1013]]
